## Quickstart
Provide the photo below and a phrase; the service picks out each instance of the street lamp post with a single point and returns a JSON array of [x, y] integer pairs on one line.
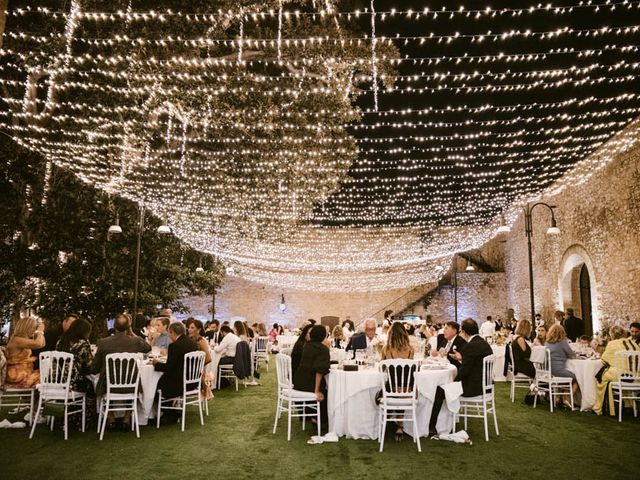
[[137, 272], [528, 228]]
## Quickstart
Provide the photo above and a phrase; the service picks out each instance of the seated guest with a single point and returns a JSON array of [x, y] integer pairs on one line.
[[541, 336], [27, 335], [76, 341], [612, 370], [522, 351], [227, 346], [348, 329], [213, 332], [584, 340], [196, 333], [314, 365], [296, 351], [141, 324], [487, 328], [260, 329], [448, 342], [338, 337], [120, 342], [470, 358], [398, 346], [171, 382], [161, 338], [634, 332], [53, 334], [362, 340], [274, 332], [249, 331], [560, 352]]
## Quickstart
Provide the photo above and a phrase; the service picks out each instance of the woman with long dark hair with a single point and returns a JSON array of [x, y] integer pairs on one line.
[[296, 352], [76, 341]]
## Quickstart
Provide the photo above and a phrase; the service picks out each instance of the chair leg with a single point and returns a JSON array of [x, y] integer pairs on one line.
[[383, 428], [200, 408], [318, 416], [32, 402], [184, 411], [66, 423], [84, 412], [495, 417], [551, 402], [34, 421], [105, 415], [416, 436], [159, 408], [513, 390], [620, 405], [275, 422], [289, 420], [486, 423], [135, 419]]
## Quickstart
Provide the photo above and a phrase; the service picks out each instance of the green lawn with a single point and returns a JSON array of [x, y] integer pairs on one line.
[[236, 442]]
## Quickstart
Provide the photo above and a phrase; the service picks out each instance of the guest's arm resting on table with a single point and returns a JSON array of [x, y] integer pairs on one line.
[[169, 365], [317, 391]]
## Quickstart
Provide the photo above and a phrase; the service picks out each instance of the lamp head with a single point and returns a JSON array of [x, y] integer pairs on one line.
[[114, 229], [553, 228], [164, 229]]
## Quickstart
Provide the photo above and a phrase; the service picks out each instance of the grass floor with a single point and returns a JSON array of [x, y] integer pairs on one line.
[[236, 443]]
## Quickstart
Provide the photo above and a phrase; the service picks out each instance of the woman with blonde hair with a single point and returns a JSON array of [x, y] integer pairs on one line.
[[612, 369], [398, 345], [337, 337], [557, 344], [28, 335]]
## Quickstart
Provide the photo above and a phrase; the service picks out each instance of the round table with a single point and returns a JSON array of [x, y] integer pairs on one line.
[[353, 412]]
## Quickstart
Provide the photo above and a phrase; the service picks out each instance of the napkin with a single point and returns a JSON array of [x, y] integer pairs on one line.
[[318, 439], [452, 392], [458, 437], [7, 424]]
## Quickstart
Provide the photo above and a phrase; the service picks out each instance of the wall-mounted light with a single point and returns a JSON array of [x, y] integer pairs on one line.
[[282, 306]]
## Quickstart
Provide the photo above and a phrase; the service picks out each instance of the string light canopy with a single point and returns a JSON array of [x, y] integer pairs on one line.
[[323, 144]]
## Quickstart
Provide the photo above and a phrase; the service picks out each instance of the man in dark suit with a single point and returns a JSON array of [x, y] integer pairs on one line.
[[171, 381], [573, 325], [120, 342], [471, 359], [448, 342], [361, 340]]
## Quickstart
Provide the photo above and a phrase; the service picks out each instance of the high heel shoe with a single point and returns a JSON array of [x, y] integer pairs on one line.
[[399, 435]]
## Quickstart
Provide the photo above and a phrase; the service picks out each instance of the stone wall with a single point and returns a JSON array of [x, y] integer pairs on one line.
[[600, 228], [260, 303], [479, 294]]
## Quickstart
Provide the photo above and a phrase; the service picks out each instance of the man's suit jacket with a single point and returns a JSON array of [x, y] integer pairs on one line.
[[118, 343], [357, 342], [470, 371], [171, 381], [458, 342], [574, 327]]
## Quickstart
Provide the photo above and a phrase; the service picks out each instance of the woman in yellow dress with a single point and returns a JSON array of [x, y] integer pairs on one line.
[[28, 334], [612, 368]]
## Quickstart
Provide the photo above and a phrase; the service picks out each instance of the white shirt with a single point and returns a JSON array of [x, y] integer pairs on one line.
[[227, 347], [487, 329]]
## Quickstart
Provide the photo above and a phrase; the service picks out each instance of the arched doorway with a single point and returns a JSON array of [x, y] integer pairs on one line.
[[585, 300], [577, 287]]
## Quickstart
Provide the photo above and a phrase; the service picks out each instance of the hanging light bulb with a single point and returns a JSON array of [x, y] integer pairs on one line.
[[553, 227], [200, 269], [503, 228], [164, 228], [470, 267], [282, 306], [115, 228]]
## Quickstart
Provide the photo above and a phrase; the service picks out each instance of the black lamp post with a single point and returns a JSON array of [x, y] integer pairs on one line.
[[115, 229], [528, 228]]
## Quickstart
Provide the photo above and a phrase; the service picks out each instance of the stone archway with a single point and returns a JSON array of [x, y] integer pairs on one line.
[[577, 287]]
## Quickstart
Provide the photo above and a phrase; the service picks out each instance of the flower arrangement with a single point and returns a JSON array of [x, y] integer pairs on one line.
[[501, 336]]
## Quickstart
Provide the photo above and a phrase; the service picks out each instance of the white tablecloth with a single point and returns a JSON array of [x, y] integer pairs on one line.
[[585, 371], [498, 366], [351, 401], [286, 341], [146, 392]]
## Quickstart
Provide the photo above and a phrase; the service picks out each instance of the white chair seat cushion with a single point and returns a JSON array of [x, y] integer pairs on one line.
[[397, 402], [299, 395]]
